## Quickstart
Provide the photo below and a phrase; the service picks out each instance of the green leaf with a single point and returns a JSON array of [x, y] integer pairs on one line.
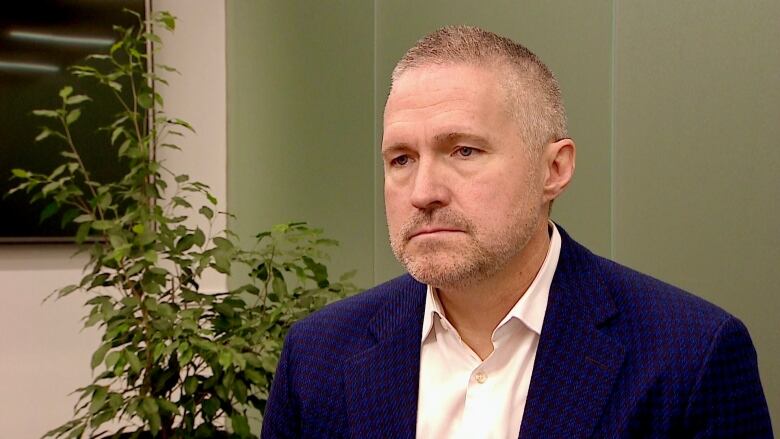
[[224, 309], [183, 124], [167, 20], [168, 406], [66, 91], [133, 361], [150, 408], [182, 178], [190, 385], [50, 187], [256, 377], [240, 391], [82, 232], [145, 100], [97, 356], [48, 211], [98, 400], [269, 363], [179, 201], [319, 271], [68, 217], [117, 240], [167, 68], [21, 173], [240, 425], [210, 407], [158, 351], [279, 286], [152, 37], [223, 243], [117, 131], [56, 173], [102, 224], [225, 358], [73, 100], [124, 147], [83, 218], [73, 116], [199, 238], [67, 290], [207, 212], [112, 358], [149, 405], [45, 132], [46, 113], [185, 243]]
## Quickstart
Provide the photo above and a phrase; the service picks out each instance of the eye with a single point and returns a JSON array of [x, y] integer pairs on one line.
[[465, 151], [401, 160]]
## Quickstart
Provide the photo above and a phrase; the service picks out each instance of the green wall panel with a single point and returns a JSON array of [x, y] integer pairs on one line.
[[675, 108], [300, 121], [697, 189], [554, 30]]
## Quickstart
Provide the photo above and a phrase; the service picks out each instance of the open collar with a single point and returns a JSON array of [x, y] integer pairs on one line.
[[575, 368]]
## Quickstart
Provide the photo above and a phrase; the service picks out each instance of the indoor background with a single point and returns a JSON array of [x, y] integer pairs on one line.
[[675, 108]]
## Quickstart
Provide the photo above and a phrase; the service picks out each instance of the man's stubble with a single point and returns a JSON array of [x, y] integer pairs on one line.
[[462, 262]]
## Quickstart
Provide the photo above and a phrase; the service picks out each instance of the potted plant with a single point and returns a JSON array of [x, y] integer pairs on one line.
[[174, 362]]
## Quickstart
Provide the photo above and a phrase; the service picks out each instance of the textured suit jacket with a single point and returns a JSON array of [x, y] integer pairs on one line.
[[620, 355]]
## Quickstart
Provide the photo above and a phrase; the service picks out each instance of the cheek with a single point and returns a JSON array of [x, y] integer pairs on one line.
[[394, 205], [490, 203]]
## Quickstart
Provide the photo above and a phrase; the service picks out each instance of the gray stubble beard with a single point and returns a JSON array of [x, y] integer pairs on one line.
[[473, 262]]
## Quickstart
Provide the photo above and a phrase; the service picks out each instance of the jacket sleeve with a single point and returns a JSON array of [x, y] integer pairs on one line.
[[282, 417], [727, 400]]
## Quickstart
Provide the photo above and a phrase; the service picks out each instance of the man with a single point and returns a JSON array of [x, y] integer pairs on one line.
[[505, 326]]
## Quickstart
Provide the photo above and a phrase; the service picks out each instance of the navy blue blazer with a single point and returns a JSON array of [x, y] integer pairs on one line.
[[620, 355]]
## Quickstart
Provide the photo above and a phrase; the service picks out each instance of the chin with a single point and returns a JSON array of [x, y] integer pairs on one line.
[[443, 269]]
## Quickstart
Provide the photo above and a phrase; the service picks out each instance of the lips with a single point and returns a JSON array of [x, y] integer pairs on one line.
[[433, 230]]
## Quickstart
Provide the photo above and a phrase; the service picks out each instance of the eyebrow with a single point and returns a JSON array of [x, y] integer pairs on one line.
[[443, 138], [456, 136]]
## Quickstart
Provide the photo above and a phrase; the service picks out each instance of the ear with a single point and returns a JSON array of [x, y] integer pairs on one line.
[[558, 160]]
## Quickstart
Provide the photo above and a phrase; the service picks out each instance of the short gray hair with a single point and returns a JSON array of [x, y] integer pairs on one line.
[[532, 90]]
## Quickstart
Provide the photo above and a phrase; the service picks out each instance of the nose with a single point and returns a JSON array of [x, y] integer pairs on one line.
[[430, 190]]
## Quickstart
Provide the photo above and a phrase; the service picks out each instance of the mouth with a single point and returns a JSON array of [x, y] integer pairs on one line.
[[433, 231]]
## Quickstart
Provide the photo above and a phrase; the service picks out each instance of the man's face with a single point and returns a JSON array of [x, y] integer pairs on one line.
[[463, 194]]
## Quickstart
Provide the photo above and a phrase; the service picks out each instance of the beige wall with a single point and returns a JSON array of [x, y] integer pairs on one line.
[[43, 354]]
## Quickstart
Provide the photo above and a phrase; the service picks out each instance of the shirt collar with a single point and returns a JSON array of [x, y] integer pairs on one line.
[[531, 307]]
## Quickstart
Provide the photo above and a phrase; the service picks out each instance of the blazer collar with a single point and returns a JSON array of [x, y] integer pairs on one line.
[[382, 382], [576, 364], [575, 368]]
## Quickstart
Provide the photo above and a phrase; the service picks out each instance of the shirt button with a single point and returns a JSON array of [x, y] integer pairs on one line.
[[481, 377]]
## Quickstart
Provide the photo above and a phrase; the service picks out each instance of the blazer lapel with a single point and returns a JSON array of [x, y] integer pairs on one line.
[[576, 364], [382, 382]]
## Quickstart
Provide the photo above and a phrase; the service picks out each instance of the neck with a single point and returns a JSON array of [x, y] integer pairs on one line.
[[476, 309]]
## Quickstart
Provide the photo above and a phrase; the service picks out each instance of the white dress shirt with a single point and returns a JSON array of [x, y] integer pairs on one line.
[[462, 396]]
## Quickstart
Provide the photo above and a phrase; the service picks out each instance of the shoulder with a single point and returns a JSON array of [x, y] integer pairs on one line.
[[659, 306], [637, 300], [689, 358], [660, 326], [668, 334], [346, 324]]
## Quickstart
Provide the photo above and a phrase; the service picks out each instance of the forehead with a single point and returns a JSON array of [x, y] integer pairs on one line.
[[460, 93]]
